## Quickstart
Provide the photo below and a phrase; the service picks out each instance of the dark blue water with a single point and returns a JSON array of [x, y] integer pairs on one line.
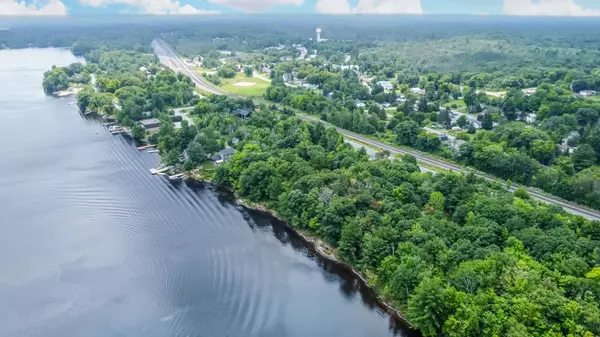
[[92, 245]]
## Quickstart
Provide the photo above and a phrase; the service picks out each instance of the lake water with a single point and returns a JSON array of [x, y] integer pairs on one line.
[[92, 245]]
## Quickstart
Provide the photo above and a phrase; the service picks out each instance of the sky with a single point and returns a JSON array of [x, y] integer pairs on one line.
[[343, 7]]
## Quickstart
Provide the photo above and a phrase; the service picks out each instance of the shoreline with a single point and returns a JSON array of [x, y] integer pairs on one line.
[[318, 247]]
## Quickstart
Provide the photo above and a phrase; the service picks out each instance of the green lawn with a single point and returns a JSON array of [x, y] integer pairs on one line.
[[208, 166], [461, 106], [258, 89], [593, 98]]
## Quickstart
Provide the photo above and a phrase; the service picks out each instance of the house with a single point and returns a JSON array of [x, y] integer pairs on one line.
[[150, 124], [386, 85], [223, 155], [418, 91], [587, 93], [242, 113], [443, 137], [529, 91], [360, 104], [310, 86]]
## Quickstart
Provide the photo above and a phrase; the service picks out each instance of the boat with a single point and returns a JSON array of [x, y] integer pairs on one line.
[[114, 127], [176, 176], [153, 151], [108, 123]]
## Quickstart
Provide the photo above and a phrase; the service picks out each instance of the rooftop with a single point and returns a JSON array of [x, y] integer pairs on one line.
[[150, 121], [242, 112], [227, 151]]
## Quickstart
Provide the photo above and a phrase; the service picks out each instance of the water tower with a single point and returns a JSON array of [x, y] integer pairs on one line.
[[318, 34]]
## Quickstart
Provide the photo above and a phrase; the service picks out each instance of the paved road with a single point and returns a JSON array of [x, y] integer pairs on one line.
[[170, 59]]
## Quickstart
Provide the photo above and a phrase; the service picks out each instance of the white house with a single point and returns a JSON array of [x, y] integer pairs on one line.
[[386, 85], [418, 91]]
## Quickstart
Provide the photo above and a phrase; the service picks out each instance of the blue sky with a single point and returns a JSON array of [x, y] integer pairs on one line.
[[476, 7]]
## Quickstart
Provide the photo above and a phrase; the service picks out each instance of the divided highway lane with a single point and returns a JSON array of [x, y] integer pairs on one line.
[[569, 207], [168, 57]]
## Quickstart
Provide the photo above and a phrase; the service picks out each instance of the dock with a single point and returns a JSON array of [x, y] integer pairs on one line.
[[142, 148]]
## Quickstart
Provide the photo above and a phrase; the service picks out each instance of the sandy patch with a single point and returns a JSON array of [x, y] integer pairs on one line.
[[244, 84]]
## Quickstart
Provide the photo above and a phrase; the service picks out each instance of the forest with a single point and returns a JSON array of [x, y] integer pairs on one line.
[[458, 255]]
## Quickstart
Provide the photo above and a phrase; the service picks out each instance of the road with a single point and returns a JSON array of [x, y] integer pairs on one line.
[[434, 162], [170, 59]]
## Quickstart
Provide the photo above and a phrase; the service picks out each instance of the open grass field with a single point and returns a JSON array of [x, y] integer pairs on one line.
[[245, 86]]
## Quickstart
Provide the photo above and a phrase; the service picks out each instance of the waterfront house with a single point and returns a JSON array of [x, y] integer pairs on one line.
[[150, 124], [223, 155]]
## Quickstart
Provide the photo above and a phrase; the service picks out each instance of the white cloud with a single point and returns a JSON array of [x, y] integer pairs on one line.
[[370, 7], [547, 8], [12, 7], [158, 7], [256, 5], [333, 7]]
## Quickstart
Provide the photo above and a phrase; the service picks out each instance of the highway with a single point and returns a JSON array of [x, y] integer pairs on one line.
[[171, 60], [168, 57]]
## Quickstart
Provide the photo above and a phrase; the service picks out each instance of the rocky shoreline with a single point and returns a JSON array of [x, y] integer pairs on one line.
[[319, 247]]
